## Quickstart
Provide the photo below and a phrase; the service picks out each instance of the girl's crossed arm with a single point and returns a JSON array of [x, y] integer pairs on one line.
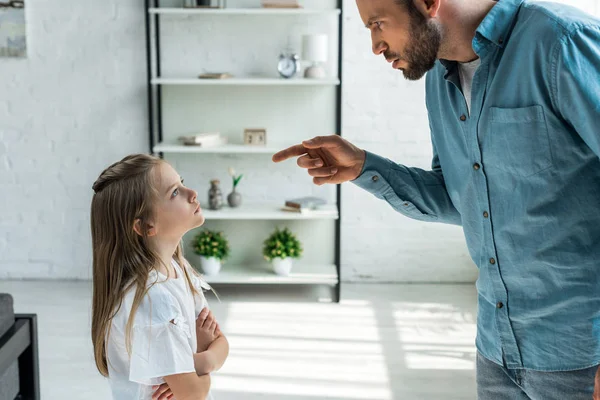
[[213, 347], [189, 386]]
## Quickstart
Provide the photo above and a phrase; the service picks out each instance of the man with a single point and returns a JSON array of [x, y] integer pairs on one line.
[[513, 95]]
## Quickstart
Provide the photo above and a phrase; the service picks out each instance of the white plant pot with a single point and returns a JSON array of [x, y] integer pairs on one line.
[[210, 265], [282, 266]]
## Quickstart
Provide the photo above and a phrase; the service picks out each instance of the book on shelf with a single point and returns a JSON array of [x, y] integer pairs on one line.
[[307, 203], [209, 139], [215, 75], [280, 4], [307, 211]]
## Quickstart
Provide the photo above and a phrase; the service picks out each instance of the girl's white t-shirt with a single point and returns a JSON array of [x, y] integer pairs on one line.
[[163, 336]]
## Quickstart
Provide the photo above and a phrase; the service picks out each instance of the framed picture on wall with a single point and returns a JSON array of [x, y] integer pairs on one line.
[[12, 29]]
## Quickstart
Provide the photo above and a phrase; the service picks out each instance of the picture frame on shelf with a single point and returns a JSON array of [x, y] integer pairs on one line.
[[255, 137]]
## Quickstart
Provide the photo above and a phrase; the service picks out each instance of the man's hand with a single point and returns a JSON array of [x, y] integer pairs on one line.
[[329, 159], [207, 330], [162, 392], [597, 385]]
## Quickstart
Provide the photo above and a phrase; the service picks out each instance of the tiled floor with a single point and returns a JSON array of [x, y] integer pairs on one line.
[[381, 342]]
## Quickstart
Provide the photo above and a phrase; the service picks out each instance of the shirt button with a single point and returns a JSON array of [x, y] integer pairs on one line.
[[492, 261], [476, 167], [499, 304], [463, 117], [500, 41], [485, 214], [375, 178]]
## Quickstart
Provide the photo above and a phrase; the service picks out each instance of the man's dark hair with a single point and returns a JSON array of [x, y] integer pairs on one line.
[[404, 3], [410, 7]]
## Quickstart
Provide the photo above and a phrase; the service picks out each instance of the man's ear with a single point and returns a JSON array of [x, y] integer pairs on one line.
[[139, 229], [429, 8]]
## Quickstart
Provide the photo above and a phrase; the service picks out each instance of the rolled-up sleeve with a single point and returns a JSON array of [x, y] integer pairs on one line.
[[413, 192]]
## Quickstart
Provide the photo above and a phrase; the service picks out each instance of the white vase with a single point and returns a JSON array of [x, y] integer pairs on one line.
[[210, 265], [282, 266]]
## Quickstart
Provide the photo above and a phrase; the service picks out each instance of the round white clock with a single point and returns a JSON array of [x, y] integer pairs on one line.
[[289, 65]]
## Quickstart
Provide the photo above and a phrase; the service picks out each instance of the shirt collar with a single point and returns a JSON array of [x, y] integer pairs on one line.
[[495, 27], [498, 23]]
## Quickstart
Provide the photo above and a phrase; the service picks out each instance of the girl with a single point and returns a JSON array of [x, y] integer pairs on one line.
[[150, 324]]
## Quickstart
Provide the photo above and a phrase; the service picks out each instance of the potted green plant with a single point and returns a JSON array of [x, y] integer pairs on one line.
[[234, 198], [280, 248], [213, 249]]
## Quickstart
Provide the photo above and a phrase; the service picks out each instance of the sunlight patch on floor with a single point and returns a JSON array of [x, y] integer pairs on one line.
[[436, 336], [312, 350]]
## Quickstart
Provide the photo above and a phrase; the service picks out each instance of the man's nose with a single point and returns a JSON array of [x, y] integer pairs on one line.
[[379, 47]]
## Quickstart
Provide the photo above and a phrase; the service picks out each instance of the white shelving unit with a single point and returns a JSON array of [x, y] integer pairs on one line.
[[241, 11], [302, 274], [258, 81], [269, 212], [224, 149], [290, 109]]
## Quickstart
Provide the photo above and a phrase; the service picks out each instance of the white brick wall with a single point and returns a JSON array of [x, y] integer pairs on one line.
[[61, 112], [385, 114], [78, 102]]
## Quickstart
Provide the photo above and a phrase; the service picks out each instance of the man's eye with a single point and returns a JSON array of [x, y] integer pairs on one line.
[[378, 24], [175, 193]]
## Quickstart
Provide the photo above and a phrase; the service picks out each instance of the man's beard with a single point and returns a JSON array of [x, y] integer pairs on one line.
[[421, 53]]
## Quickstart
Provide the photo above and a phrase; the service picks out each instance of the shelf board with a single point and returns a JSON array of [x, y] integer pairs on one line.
[[223, 149], [302, 274], [243, 11], [246, 82], [268, 212]]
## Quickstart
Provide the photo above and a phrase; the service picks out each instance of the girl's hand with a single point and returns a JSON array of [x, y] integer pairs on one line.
[[206, 330], [162, 392]]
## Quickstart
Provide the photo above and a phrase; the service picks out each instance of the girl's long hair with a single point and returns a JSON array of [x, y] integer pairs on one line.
[[124, 193]]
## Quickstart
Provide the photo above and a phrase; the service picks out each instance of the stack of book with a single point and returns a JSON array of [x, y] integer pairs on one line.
[[280, 4], [209, 139], [304, 204], [215, 75]]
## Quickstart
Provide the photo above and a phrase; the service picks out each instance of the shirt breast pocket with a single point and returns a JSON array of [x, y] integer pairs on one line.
[[518, 141]]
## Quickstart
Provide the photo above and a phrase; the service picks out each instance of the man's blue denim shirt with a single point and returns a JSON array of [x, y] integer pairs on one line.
[[521, 174]]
